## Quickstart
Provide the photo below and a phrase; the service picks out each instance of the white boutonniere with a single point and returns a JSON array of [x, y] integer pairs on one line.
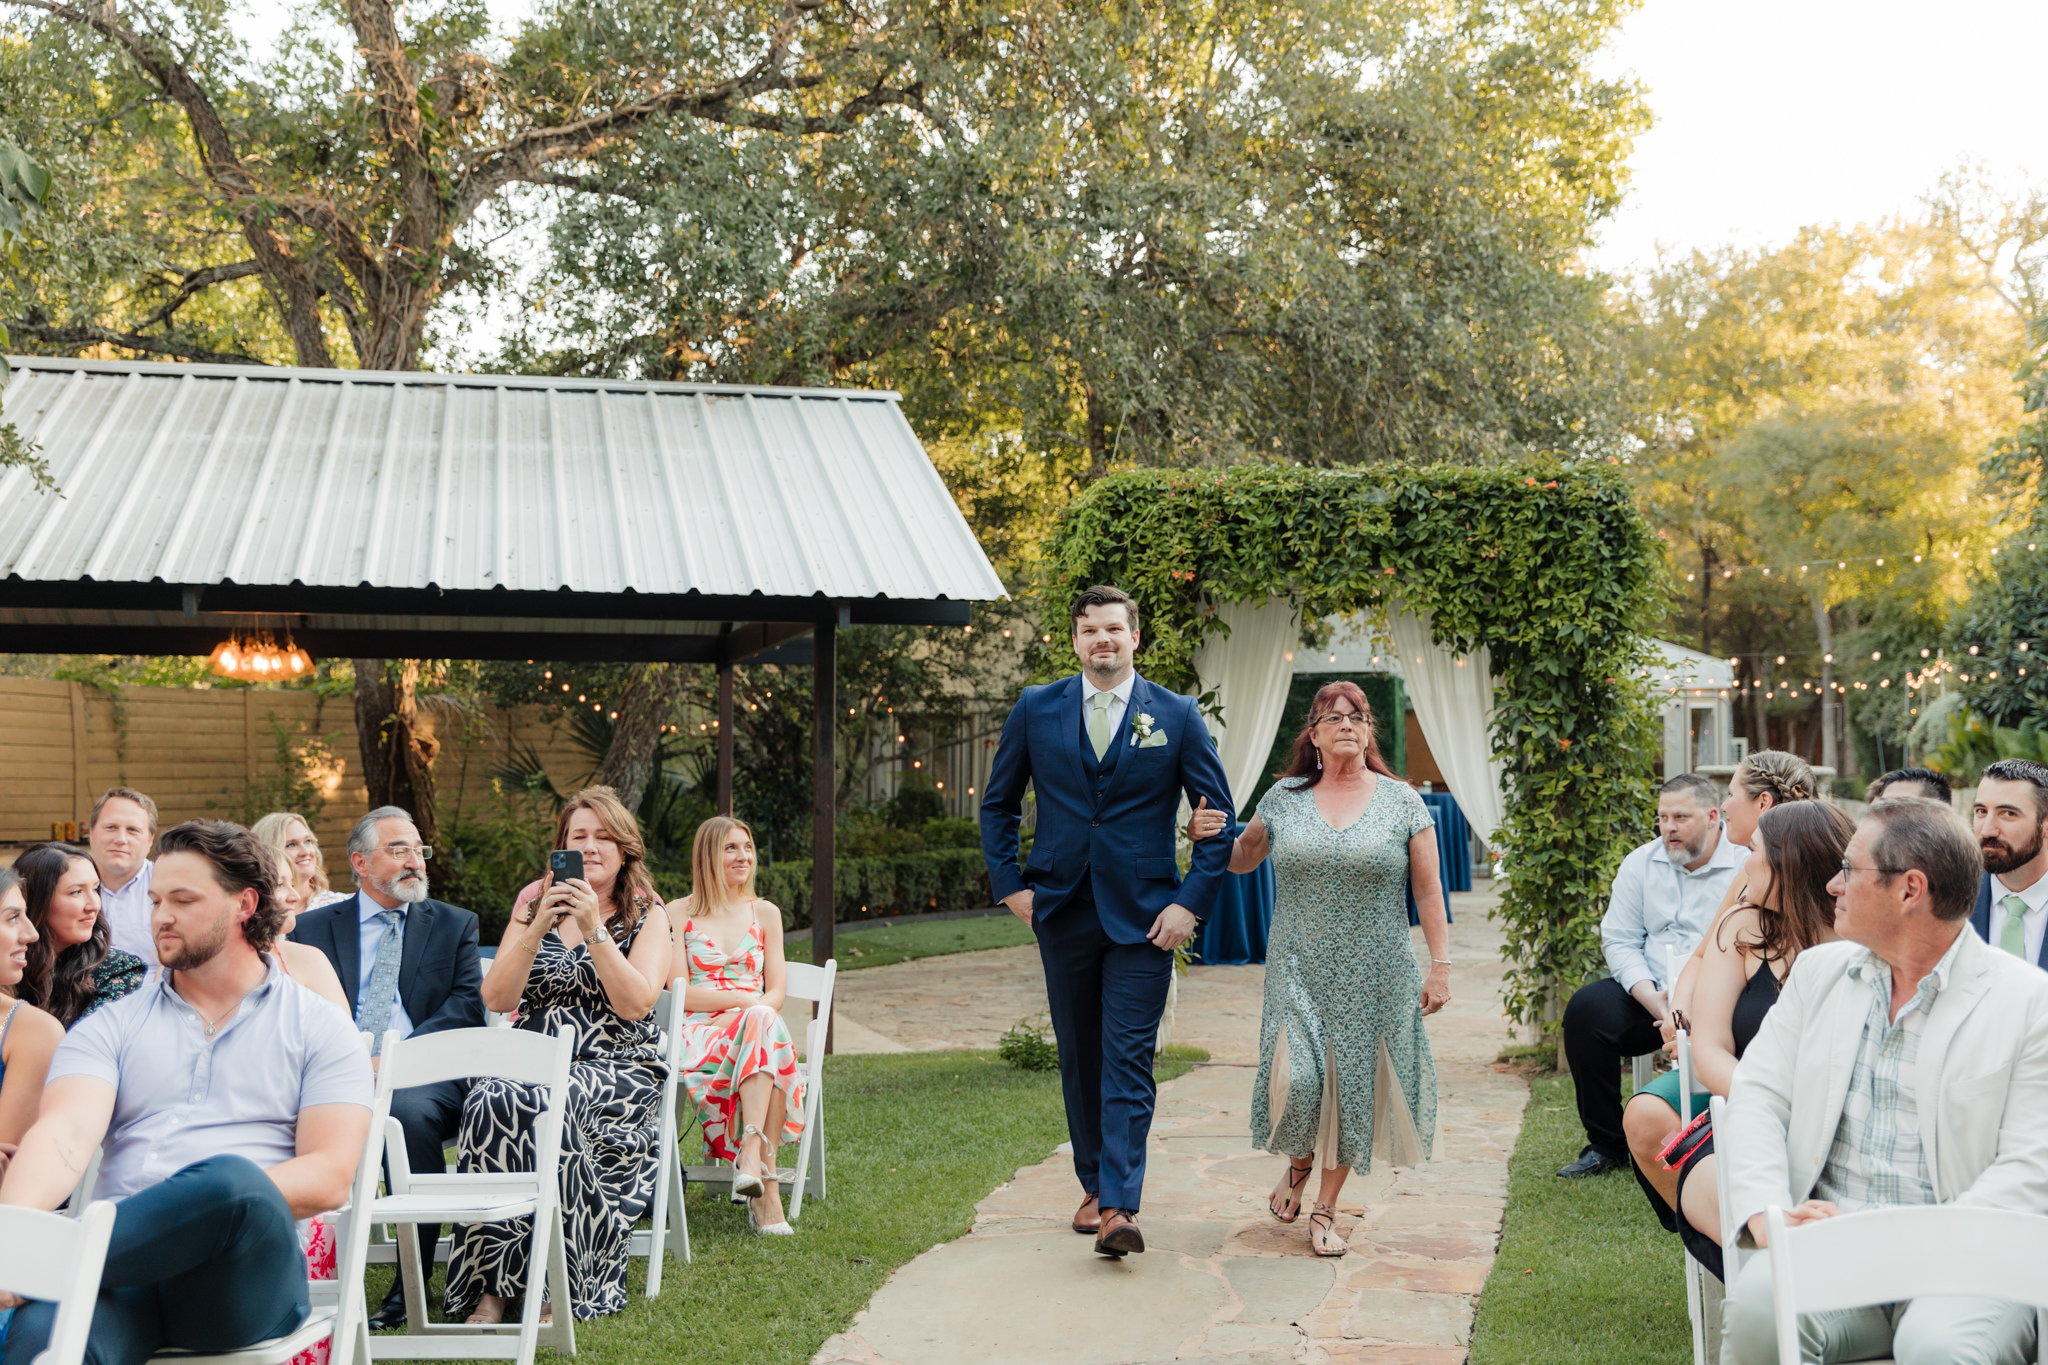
[[1144, 735]]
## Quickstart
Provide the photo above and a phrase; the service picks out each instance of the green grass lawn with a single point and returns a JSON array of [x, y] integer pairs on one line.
[[887, 943], [916, 1139], [1585, 1274]]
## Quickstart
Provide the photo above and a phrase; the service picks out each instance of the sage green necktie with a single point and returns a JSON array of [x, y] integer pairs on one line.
[[1098, 723], [2012, 935]]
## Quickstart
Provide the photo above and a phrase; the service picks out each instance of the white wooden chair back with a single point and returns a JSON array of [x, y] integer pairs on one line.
[[668, 1223], [1732, 1254], [1695, 1288], [81, 1193], [459, 1053], [57, 1259], [1891, 1255]]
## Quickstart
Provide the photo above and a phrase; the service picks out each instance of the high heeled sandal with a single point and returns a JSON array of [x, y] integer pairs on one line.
[[781, 1229], [1296, 1177], [1327, 1214], [748, 1183]]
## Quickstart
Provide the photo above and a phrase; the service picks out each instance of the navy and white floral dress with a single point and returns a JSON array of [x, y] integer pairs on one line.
[[1344, 1062]]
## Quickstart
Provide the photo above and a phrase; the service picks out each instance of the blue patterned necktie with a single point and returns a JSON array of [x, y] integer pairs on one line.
[[375, 1015]]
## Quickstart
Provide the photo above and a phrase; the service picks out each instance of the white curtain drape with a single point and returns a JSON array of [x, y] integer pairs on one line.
[[1250, 671], [1453, 698]]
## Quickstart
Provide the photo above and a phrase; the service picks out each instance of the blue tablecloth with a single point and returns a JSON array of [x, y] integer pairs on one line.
[[1453, 849]]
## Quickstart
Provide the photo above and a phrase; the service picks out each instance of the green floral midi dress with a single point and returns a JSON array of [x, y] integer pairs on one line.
[[1344, 1064]]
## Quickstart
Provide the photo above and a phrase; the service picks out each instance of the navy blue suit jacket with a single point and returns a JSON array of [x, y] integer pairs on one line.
[[1118, 845], [440, 977], [1980, 920]]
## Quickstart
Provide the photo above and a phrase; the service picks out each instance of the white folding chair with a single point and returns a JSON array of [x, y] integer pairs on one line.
[[1732, 1254], [1889, 1255], [668, 1224], [57, 1259], [468, 1199], [1695, 1289], [81, 1193], [803, 982]]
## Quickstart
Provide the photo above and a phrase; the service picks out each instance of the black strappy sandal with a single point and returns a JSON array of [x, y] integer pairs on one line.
[[1296, 1177], [1323, 1220]]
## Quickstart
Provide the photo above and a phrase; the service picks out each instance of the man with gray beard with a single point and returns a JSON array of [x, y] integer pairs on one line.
[[409, 963]]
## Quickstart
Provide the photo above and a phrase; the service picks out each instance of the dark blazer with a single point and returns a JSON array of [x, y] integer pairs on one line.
[[440, 978], [1114, 832], [1980, 920]]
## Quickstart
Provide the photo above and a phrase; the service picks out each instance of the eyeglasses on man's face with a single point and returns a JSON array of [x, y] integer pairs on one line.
[[1848, 867], [1351, 718], [405, 852]]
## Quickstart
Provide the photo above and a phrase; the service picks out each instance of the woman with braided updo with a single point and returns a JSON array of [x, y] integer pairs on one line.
[[1764, 781]]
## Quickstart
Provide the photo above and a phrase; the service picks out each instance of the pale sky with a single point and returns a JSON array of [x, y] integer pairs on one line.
[[1773, 114]]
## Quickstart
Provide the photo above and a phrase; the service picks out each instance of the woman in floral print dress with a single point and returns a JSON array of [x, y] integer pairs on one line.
[[738, 1062], [1344, 1062]]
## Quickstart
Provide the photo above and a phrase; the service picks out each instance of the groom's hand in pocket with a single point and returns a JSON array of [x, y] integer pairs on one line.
[[1176, 925], [1019, 903]]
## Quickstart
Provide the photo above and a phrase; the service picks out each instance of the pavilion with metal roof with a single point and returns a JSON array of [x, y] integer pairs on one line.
[[376, 513]]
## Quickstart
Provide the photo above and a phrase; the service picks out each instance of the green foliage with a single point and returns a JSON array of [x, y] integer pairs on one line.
[[1384, 693], [24, 193], [883, 943], [2001, 629], [867, 888], [1549, 565], [294, 784], [915, 803], [1029, 1046], [490, 851]]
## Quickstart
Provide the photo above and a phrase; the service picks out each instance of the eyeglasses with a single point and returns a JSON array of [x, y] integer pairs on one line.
[[404, 851], [1350, 718], [1848, 867]]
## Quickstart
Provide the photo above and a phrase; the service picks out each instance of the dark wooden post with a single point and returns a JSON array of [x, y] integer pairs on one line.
[[824, 709], [725, 736]]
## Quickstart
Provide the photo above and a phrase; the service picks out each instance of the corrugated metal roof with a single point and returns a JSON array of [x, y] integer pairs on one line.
[[205, 474]]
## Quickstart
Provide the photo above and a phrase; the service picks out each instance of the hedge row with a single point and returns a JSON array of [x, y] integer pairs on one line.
[[864, 888]]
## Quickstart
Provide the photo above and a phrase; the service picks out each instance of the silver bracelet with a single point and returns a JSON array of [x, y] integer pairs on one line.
[[1441, 961]]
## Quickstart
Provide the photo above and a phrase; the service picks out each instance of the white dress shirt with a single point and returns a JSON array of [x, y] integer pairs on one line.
[[370, 933], [1121, 701], [127, 914], [1660, 910], [2033, 924]]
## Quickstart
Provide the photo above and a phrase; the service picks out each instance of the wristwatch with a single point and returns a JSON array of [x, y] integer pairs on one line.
[[603, 932]]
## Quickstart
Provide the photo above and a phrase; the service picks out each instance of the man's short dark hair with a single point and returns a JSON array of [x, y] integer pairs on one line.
[[2024, 770], [1102, 595], [1926, 777], [1917, 835], [1700, 789], [124, 794], [238, 866]]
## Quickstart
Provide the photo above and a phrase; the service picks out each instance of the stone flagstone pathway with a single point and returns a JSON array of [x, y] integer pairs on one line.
[[1221, 1282]]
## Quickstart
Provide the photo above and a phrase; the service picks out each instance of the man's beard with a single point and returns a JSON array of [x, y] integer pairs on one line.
[[1103, 664], [2000, 857], [407, 886], [1689, 853], [194, 953]]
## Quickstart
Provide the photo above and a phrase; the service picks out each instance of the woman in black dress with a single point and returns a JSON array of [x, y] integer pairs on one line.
[[73, 969], [593, 953], [1796, 850]]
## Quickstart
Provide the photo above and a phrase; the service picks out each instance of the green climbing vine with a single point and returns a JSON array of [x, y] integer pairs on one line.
[[1547, 564]]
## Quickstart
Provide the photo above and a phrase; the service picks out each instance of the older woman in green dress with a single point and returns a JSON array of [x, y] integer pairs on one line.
[[1344, 1061]]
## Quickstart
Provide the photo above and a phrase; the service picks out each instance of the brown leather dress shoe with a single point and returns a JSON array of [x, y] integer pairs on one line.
[[1119, 1235], [1088, 1218]]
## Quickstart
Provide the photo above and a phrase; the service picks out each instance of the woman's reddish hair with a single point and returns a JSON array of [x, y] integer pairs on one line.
[[1303, 770]]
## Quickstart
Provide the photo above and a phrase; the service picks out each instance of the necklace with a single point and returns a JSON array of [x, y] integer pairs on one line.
[[209, 1027]]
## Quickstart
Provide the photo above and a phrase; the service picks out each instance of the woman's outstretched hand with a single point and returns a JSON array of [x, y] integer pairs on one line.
[[1204, 823]]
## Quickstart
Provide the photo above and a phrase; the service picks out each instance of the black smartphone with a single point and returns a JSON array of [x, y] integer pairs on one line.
[[566, 864]]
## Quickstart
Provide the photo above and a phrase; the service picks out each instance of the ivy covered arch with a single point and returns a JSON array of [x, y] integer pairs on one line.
[[1547, 564]]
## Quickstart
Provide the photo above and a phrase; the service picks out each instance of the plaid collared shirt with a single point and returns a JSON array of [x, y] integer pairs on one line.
[[1877, 1158]]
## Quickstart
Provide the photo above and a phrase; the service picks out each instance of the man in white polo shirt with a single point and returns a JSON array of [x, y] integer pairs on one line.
[[231, 1100], [123, 829]]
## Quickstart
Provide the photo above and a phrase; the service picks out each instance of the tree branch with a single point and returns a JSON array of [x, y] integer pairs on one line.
[[192, 281], [133, 341]]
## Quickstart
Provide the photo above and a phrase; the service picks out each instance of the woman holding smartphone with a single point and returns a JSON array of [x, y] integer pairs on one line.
[[591, 949]]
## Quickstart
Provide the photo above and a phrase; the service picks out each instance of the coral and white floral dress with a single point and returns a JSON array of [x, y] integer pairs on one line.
[[721, 1050]]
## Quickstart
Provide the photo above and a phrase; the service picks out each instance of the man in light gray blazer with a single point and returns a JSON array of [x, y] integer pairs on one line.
[[1906, 1065]]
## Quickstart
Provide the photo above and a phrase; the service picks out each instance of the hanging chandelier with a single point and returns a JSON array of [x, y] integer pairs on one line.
[[259, 658]]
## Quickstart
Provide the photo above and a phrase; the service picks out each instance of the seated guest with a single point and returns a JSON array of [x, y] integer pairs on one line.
[[27, 1035], [1924, 783], [289, 833], [1665, 895], [1912, 1030], [123, 828], [409, 963], [1794, 853], [71, 969], [2011, 821], [592, 952], [739, 1064], [307, 966], [230, 1103]]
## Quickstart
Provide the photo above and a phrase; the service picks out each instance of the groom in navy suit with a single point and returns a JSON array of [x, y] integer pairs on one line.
[[1109, 756]]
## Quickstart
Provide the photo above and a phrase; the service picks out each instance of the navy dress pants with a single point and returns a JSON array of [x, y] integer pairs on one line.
[[1105, 999], [207, 1261]]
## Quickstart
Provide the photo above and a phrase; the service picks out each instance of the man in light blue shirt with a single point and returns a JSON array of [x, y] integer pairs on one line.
[[231, 1100], [1665, 896]]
